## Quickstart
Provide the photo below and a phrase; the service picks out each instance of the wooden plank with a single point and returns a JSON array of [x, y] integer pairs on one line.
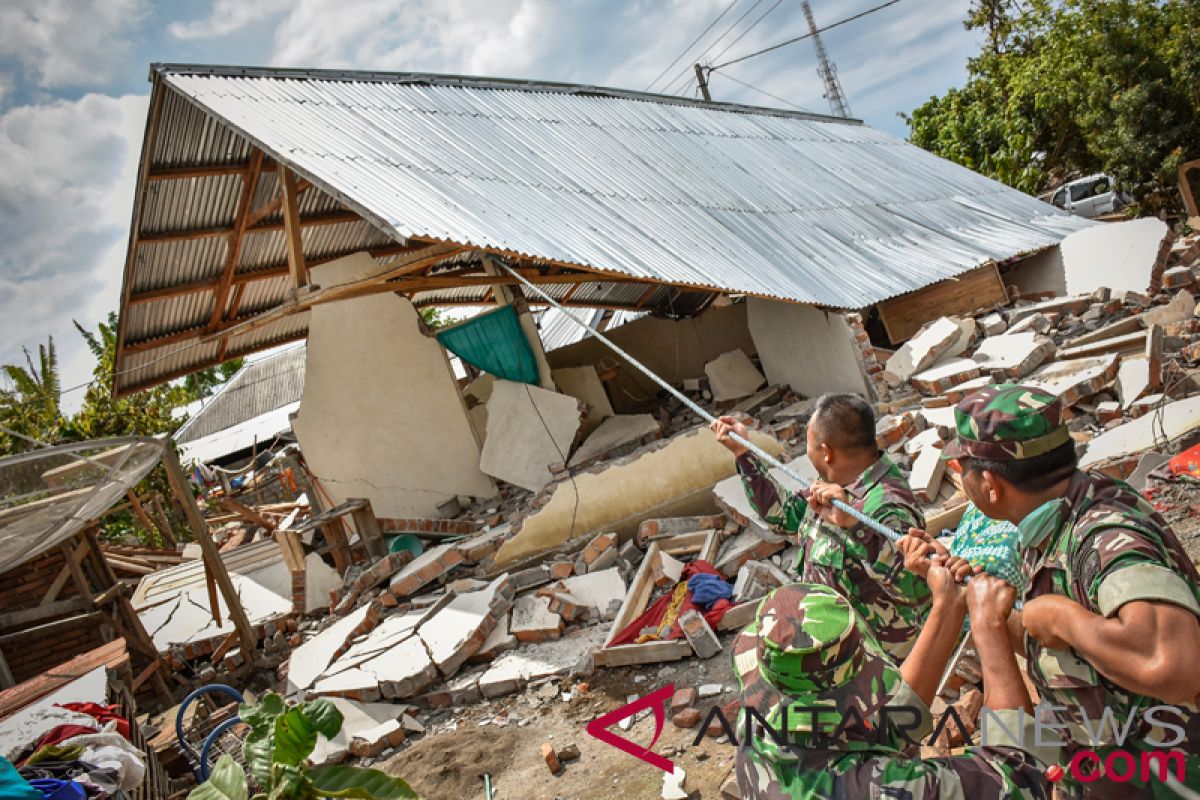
[[63, 576], [637, 596], [368, 529], [203, 171], [234, 249], [164, 520], [315, 221], [145, 674], [970, 292], [273, 206], [81, 583], [647, 653], [113, 655], [292, 228], [739, 616], [245, 512], [50, 628], [180, 486], [292, 549], [945, 520], [27, 616]]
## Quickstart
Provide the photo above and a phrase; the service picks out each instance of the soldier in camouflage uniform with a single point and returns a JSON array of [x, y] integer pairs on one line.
[[807, 648], [1111, 602], [835, 549]]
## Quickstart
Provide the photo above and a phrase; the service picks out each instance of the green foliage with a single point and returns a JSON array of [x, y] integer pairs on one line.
[[276, 751], [433, 318], [1075, 87], [226, 782], [29, 400]]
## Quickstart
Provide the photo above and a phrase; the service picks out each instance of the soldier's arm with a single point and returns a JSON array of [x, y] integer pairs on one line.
[[779, 507]]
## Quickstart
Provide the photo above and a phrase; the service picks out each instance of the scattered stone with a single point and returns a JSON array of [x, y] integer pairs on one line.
[[551, 758]]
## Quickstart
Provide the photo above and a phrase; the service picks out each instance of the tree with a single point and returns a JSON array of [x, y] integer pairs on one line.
[[30, 405], [1072, 88]]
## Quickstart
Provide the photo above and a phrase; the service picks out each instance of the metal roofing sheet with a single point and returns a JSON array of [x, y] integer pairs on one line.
[[784, 206], [260, 386]]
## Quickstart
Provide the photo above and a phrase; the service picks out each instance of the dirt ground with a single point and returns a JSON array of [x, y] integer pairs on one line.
[[504, 737]]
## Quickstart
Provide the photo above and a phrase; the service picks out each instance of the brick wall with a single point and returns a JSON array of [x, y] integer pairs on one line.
[[23, 588]]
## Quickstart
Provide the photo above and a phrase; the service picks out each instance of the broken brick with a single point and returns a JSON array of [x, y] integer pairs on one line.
[[687, 718], [683, 698], [600, 553]]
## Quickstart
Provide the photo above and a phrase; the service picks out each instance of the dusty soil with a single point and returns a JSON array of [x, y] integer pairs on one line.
[[504, 737]]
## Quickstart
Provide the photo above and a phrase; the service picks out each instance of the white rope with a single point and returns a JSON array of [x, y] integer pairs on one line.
[[878, 527]]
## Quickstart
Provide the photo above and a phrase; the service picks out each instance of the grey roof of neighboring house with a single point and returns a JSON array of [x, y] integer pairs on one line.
[[260, 386], [664, 191]]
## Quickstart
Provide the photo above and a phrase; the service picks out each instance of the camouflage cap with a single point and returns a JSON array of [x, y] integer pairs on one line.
[[808, 647], [1007, 423]]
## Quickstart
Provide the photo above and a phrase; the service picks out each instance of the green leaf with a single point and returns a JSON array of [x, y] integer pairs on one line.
[[258, 749], [270, 707], [290, 783], [323, 716], [338, 780], [225, 782], [295, 737]]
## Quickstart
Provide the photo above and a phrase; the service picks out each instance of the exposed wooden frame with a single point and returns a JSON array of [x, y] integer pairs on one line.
[[1185, 188], [273, 206], [292, 228], [203, 171], [236, 237], [245, 512], [316, 220]]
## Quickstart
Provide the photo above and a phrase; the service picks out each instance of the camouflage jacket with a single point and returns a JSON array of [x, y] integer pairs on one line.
[[861, 564], [1104, 545], [888, 769]]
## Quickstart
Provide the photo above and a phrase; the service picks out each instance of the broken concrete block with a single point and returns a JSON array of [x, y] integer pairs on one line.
[[756, 401], [367, 722], [309, 660], [482, 545], [1077, 378], [529, 429], [455, 633], [600, 554], [755, 579], [1035, 323], [461, 690], [1121, 255], [1014, 354], [373, 741], [686, 718], [684, 697], [551, 758], [1178, 278], [992, 324], [500, 640], [403, 670], [376, 574], [424, 569], [602, 591], [940, 378], [744, 547], [930, 437], [732, 376], [926, 477], [1172, 421], [1145, 405], [1108, 410], [1133, 380], [892, 429], [1182, 306], [530, 577], [584, 384], [667, 571], [533, 621], [923, 350], [1154, 356], [513, 670], [616, 436], [673, 526], [1146, 464], [353, 684]]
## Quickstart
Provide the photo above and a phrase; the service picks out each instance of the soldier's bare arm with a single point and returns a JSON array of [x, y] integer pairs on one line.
[[1146, 647], [989, 602], [923, 667]]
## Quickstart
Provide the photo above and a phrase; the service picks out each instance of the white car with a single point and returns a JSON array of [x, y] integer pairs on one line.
[[1092, 196]]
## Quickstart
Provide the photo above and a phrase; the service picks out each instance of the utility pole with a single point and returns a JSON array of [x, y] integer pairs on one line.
[[703, 81], [826, 69]]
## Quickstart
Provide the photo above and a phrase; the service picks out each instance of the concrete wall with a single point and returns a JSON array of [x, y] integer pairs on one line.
[[382, 416], [811, 350], [1041, 272], [674, 350]]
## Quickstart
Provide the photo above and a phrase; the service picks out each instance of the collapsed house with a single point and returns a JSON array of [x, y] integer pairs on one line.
[[442, 542]]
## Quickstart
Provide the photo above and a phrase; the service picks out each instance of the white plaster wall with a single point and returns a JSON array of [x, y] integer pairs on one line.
[[808, 349], [1040, 272], [382, 416]]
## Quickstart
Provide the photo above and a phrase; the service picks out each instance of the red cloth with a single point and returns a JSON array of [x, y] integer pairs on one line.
[[61, 734], [653, 616], [1187, 462], [102, 714]]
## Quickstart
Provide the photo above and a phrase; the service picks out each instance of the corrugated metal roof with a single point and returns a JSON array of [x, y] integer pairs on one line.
[[260, 386], [709, 196], [557, 330]]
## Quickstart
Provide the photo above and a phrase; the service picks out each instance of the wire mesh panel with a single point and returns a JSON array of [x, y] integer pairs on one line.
[[47, 496]]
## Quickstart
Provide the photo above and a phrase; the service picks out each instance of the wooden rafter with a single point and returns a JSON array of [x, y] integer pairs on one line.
[[646, 295], [204, 170], [292, 227], [330, 218], [276, 203], [236, 236]]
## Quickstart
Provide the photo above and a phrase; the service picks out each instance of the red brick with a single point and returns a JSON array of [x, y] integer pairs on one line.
[[551, 758], [683, 698]]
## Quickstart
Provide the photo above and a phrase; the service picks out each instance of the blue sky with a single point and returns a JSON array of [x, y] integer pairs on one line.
[[73, 95]]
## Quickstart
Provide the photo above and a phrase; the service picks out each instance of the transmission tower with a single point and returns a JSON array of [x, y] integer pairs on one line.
[[826, 69]]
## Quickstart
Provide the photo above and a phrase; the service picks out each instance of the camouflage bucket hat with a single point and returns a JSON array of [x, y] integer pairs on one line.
[[1007, 423], [808, 647]]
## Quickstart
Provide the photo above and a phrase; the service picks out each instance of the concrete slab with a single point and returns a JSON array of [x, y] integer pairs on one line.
[[387, 634], [513, 670], [425, 568], [599, 590], [500, 640], [1181, 307], [529, 429], [927, 471], [310, 660], [1016, 355], [940, 417], [1145, 433], [732, 376], [404, 670], [730, 494], [1077, 378], [923, 350], [359, 720], [533, 621], [1133, 380], [945, 375], [456, 633], [319, 580], [992, 324], [619, 433], [584, 384], [1146, 464], [1117, 255], [356, 683]]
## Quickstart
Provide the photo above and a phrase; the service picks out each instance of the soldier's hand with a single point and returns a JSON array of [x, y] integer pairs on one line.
[[920, 551], [722, 426], [946, 586], [1041, 616], [989, 600], [821, 496]]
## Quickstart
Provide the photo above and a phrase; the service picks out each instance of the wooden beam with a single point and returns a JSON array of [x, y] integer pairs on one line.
[[328, 218], [236, 237], [273, 205], [77, 576], [40, 631], [184, 371], [368, 529], [13, 619], [292, 228], [643, 297], [64, 575], [204, 170], [179, 484], [245, 512], [425, 284]]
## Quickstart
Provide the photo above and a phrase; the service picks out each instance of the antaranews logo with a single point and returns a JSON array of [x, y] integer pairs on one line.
[[1163, 761]]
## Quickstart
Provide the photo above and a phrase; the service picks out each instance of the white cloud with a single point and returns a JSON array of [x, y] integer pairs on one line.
[[69, 42], [67, 175], [227, 16]]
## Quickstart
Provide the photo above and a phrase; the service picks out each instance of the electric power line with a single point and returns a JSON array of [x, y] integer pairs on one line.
[[687, 67], [808, 35], [695, 41], [742, 35], [768, 94]]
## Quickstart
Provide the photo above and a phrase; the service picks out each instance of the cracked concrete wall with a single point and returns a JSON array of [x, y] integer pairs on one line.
[[803, 347], [382, 416]]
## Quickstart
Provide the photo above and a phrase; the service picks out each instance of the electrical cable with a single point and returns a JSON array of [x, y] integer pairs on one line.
[[768, 94], [693, 44], [714, 43], [874, 525], [808, 35], [753, 25]]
